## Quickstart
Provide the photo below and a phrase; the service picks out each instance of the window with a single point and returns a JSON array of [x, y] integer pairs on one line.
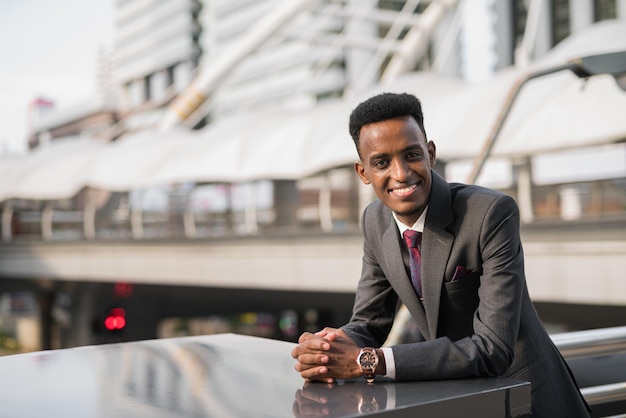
[[560, 20], [604, 10]]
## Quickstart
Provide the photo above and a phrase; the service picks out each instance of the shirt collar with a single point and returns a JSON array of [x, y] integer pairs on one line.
[[417, 226]]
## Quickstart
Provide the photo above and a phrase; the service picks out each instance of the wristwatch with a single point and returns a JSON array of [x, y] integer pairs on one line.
[[368, 360]]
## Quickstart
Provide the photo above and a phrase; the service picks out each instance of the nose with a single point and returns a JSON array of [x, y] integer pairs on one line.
[[399, 170]]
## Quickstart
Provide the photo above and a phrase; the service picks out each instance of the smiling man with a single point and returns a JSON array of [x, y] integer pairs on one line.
[[451, 253]]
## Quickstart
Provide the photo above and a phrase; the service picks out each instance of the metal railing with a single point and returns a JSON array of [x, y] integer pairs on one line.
[[603, 394], [590, 343]]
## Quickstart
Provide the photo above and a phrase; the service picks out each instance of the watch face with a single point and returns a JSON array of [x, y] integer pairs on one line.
[[367, 360]]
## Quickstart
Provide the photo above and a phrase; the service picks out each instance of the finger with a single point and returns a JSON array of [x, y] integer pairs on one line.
[[313, 359], [332, 336], [302, 367], [325, 331], [317, 373], [310, 347], [342, 334]]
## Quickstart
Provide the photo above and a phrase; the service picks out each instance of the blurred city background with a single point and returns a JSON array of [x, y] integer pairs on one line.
[[192, 174]]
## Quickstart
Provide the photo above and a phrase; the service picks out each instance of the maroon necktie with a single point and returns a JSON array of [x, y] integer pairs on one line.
[[413, 241]]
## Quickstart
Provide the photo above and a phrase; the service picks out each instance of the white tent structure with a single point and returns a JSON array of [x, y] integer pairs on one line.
[[128, 163], [54, 171], [286, 144], [559, 111]]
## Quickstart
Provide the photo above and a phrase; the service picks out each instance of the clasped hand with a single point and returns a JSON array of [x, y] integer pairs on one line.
[[327, 355]]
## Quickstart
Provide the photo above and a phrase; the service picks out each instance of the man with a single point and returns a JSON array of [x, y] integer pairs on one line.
[[469, 301]]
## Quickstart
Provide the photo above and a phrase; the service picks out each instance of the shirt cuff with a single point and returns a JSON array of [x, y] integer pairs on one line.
[[390, 363]]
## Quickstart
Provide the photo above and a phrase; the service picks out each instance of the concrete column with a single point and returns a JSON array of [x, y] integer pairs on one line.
[[581, 15], [358, 58], [523, 177], [46, 222], [7, 216], [136, 223], [251, 221], [543, 40], [89, 218], [478, 41], [135, 93], [285, 203], [505, 44], [183, 74], [45, 300], [325, 204], [446, 46], [189, 223], [355, 193], [80, 332], [158, 85], [537, 32], [366, 196], [621, 9]]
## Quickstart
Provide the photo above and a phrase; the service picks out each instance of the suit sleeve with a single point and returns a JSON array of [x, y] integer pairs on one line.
[[489, 351]]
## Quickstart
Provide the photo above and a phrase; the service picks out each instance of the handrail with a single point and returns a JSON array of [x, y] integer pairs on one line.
[[602, 394], [591, 342]]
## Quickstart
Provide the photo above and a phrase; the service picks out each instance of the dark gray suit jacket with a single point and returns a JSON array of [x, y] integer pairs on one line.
[[482, 324]]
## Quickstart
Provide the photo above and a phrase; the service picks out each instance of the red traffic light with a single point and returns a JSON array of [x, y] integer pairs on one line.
[[115, 320]]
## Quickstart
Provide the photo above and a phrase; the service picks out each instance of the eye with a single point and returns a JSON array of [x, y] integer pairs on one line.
[[380, 164], [413, 156]]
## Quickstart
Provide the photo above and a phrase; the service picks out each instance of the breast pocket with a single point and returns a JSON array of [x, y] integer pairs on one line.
[[459, 301]]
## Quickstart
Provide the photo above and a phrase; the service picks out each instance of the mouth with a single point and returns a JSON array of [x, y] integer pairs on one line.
[[403, 191]]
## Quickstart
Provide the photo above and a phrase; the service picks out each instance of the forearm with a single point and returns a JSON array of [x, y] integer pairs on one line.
[[443, 359]]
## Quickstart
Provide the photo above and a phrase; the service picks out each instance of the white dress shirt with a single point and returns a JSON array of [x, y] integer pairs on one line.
[[418, 226]]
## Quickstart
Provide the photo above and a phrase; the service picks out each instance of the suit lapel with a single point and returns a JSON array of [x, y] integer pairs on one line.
[[436, 246], [399, 279]]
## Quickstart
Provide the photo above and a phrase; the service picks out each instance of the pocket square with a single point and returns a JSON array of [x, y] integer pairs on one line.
[[459, 273]]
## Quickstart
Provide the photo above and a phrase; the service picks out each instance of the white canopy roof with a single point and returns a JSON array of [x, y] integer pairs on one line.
[[129, 162], [554, 112], [53, 171]]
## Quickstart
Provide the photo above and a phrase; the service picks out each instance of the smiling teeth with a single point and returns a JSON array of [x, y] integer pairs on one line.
[[405, 189]]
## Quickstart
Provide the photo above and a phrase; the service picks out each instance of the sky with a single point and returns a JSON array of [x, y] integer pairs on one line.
[[48, 49]]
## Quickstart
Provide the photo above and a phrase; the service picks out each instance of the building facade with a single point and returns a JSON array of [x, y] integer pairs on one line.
[[322, 49]]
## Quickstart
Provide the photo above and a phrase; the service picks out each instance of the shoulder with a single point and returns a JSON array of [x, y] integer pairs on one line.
[[449, 201], [471, 205], [479, 197]]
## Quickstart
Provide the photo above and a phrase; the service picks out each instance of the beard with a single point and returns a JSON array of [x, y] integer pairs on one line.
[[410, 213]]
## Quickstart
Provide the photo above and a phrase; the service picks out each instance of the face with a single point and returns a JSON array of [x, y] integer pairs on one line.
[[396, 160]]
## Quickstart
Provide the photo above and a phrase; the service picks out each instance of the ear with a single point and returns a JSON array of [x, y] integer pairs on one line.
[[360, 171], [432, 153]]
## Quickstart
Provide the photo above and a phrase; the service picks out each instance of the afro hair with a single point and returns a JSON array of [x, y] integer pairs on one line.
[[384, 106]]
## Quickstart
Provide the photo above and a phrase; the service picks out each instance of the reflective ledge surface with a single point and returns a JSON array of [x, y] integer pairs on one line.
[[221, 376]]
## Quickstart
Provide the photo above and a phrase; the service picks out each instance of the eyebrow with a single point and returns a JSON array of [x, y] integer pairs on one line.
[[385, 155], [377, 156]]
